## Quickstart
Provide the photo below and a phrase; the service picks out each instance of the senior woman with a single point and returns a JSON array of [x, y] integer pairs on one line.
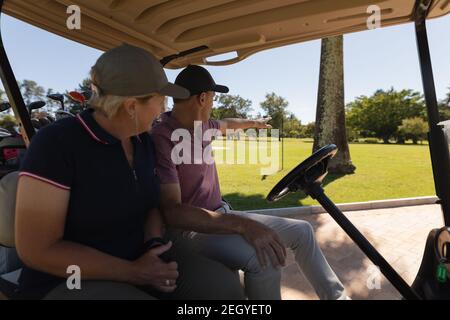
[[88, 198]]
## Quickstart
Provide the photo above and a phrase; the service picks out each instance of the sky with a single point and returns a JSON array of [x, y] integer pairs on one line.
[[375, 59]]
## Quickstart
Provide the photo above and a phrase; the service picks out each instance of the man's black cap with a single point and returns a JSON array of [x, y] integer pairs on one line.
[[197, 80]]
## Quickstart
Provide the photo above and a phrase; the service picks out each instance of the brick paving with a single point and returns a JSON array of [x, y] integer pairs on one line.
[[399, 234]]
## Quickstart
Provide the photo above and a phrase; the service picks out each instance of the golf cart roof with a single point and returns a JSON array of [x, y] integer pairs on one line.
[[168, 27]]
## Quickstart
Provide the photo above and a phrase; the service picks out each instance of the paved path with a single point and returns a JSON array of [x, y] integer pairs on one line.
[[399, 234]]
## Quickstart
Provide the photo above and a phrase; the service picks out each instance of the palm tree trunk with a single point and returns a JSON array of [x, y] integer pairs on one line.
[[330, 113]]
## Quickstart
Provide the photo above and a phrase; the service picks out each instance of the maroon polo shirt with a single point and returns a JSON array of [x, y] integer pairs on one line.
[[198, 177]]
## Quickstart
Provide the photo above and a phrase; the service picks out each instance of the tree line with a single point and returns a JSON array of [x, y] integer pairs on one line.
[[387, 115]]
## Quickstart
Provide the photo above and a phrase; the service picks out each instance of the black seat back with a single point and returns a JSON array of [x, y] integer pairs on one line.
[[426, 283]]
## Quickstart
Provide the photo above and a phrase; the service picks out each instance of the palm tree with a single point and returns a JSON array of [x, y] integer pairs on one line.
[[330, 113]]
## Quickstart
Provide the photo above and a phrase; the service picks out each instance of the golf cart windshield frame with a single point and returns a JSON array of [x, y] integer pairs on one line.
[[438, 144]]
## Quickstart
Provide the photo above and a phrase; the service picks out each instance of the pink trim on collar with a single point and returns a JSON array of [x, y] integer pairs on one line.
[[89, 130]]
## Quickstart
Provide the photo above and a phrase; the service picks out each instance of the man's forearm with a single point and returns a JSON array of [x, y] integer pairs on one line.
[[235, 123], [187, 217]]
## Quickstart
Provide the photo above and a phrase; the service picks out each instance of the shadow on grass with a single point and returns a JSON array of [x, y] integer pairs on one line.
[[240, 201]]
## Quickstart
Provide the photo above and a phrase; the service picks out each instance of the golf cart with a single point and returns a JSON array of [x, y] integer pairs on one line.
[[191, 32]]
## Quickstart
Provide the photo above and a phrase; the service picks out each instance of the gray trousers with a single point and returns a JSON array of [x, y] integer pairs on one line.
[[264, 284], [199, 279]]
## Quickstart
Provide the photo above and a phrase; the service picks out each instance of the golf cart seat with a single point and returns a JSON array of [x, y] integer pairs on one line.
[[10, 264]]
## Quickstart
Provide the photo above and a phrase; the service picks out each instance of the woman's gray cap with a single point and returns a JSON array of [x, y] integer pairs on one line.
[[129, 71]]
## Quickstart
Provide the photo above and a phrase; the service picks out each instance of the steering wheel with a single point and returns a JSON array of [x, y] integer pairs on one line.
[[311, 170]]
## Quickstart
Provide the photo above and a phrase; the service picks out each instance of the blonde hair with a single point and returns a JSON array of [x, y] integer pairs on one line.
[[107, 104]]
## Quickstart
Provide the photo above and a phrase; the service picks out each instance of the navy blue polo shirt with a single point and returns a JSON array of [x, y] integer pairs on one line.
[[109, 199]]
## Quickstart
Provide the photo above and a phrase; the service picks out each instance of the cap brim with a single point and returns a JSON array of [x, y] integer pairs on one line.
[[221, 89], [175, 91]]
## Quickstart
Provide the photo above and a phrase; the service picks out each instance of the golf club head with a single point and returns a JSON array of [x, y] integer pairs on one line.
[[56, 97], [36, 105], [4, 106], [87, 95], [44, 121], [77, 97], [63, 114], [36, 124]]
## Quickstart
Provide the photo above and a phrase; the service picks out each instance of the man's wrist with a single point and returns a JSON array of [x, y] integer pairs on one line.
[[239, 225]]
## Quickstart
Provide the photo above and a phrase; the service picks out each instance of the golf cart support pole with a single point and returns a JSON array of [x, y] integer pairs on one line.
[[13, 92], [439, 147], [317, 192]]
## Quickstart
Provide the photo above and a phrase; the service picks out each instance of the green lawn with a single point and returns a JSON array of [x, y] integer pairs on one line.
[[383, 172]]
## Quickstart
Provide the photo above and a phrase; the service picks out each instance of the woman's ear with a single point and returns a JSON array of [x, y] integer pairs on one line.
[[130, 107]]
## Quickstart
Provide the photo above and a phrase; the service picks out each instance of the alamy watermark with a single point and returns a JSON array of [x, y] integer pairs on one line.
[[73, 22], [74, 280], [257, 148], [374, 278], [374, 20]]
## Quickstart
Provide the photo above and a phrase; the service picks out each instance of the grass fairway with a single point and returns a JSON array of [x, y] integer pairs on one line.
[[382, 172]]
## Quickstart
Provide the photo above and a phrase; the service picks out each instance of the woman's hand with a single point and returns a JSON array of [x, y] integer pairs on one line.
[[150, 270]]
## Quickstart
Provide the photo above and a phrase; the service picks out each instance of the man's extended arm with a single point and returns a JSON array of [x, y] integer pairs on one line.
[[236, 124]]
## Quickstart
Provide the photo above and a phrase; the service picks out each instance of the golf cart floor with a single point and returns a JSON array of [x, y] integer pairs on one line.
[[399, 234]]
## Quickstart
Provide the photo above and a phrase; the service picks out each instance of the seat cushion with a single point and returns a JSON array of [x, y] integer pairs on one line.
[[8, 190], [12, 277], [9, 260], [9, 284]]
